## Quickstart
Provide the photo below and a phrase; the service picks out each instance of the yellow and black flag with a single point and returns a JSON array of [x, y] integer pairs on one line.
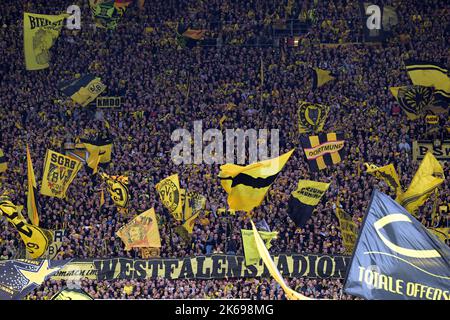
[[304, 199], [247, 185], [36, 239], [320, 77], [32, 201], [427, 178], [118, 189], [84, 89], [311, 116], [348, 228], [387, 174], [72, 294], [59, 172], [429, 74], [413, 99], [323, 150], [251, 253], [396, 257], [99, 153], [170, 193], [40, 32], [3, 162]]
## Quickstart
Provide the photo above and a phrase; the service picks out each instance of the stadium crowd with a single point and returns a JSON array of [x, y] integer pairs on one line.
[[166, 87]]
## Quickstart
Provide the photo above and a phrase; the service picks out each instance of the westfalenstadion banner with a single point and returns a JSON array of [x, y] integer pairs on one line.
[[396, 257]]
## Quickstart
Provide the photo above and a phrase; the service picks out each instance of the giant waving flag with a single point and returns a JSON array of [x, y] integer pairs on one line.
[[396, 257], [247, 185]]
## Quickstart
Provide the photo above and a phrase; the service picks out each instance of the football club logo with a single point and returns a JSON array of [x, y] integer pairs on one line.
[[311, 116], [170, 195], [414, 99]]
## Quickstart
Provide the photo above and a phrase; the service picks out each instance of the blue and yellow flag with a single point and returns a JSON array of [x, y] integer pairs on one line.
[[396, 257]]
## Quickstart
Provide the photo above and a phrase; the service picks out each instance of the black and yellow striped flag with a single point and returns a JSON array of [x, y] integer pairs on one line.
[[3, 162], [247, 185], [83, 90], [323, 150], [32, 203], [429, 74]]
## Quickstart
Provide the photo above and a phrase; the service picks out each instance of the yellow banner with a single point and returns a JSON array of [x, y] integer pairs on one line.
[[59, 172], [440, 150], [40, 32], [309, 192], [348, 228]]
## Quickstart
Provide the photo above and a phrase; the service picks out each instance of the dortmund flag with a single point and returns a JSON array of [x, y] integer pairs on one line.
[[170, 193], [40, 31], [413, 99], [396, 257], [32, 202], [59, 172], [142, 231], [427, 178], [247, 186], [193, 202], [188, 225], [273, 270], [3, 162], [248, 242], [387, 174], [36, 239], [100, 151], [118, 189], [84, 89], [311, 116], [305, 199], [429, 74], [320, 77], [323, 150], [348, 228], [72, 294]]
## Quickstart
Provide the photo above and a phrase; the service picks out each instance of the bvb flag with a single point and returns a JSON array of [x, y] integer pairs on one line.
[[72, 294], [3, 162], [32, 202], [189, 224], [396, 257], [311, 116], [59, 172], [84, 89], [320, 77], [40, 31], [387, 174], [118, 189], [170, 193], [427, 178], [413, 99], [323, 150], [248, 242], [36, 239], [274, 272], [140, 232], [305, 199], [247, 186]]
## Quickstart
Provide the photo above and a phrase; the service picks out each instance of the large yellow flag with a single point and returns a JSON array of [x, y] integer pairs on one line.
[[32, 204], [170, 193], [274, 272], [59, 172], [140, 232], [427, 178], [247, 186], [36, 239], [387, 174], [251, 253], [40, 32]]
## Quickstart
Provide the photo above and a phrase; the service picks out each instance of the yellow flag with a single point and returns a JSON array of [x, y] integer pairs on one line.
[[348, 228], [274, 272], [189, 223], [142, 231], [32, 204], [99, 153], [170, 193], [118, 189], [247, 186], [387, 174], [36, 239], [40, 32], [3, 162], [320, 77], [427, 178], [248, 242]]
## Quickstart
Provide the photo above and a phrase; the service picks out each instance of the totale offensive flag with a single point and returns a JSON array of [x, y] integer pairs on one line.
[[36, 239], [170, 193], [248, 242], [396, 257], [32, 202], [3, 162], [427, 178], [59, 172], [247, 186], [323, 150], [141, 232], [387, 174], [40, 31], [304, 199]]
